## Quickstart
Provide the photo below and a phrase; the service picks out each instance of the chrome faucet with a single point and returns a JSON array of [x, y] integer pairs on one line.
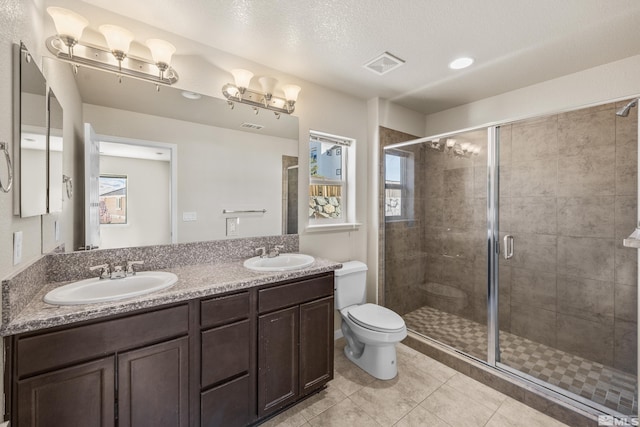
[[267, 252], [275, 251], [116, 272], [105, 270]]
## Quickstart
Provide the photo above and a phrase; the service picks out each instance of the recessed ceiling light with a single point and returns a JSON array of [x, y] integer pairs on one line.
[[458, 64], [191, 95]]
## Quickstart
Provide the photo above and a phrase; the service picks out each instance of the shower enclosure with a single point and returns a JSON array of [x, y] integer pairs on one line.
[[506, 244]]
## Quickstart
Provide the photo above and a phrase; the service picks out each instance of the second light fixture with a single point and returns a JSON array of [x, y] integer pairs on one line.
[[239, 91]]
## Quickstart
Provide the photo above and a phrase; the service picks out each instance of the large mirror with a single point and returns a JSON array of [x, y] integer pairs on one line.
[[30, 135], [55, 157], [173, 166]]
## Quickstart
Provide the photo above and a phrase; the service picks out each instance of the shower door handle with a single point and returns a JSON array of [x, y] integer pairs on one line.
[[508, 246]]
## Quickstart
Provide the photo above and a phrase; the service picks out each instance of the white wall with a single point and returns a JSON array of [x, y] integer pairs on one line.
[[397, 117], [148, 209], [217, 169], [616, 80]]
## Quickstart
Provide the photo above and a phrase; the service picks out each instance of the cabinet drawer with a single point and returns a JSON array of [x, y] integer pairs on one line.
[[225, 352], [227, 309], [43, 352], [226, 405], [294, 293]]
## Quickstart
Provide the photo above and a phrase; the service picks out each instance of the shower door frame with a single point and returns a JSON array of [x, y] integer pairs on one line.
[[494, 253]]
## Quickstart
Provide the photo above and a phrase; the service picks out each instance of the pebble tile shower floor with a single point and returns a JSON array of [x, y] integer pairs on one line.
[[602, 384]]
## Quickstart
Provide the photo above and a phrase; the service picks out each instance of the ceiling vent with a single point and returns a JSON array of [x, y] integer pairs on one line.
[[251, 126], [383, 63]]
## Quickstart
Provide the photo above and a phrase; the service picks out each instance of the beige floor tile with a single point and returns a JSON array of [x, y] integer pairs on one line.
[[420, 417], [432, 367], [456, 408], [477, 391], [514, 413], [388, 401], [292, 417], [321, 401], [348, 377], [406, 352], [344, 414]]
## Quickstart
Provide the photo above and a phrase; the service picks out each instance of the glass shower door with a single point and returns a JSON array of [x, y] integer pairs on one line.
[[435, 237], [567, 305]]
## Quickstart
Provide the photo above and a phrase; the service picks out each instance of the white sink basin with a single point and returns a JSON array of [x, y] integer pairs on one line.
[[96, 290], [282, 262]]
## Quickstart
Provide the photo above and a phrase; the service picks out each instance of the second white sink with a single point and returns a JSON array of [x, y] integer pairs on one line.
[[282, 262], [96, 290]]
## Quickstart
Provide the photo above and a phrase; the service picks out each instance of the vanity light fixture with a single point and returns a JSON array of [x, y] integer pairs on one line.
[[115, 58], [239, 91], [454, 148]]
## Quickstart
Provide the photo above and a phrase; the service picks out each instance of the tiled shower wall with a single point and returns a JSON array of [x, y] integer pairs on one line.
[[568, 186]]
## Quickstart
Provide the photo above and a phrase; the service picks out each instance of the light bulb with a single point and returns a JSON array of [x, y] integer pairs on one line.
[[118, 39], [242, 78], [69, 24], [161, 51], [291, 93], [268, 84], [451, 143]]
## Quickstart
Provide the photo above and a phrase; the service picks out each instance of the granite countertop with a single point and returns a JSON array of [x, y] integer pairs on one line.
[[194, 281]]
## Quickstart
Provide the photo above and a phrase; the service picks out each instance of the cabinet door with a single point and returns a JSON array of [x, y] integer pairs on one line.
[[153, 385], [83, 395], [316, 344], [277, 360], [226, 405]]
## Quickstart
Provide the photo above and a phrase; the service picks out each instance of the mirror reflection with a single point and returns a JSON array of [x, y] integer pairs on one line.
[[55, 154], [31, 147], [187, 158]]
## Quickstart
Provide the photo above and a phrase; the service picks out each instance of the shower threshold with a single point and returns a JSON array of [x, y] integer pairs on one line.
[[607, 387]]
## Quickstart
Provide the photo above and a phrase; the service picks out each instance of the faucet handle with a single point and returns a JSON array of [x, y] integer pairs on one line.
[[261, 251], [105, 271], [130, 270], [278, 248]]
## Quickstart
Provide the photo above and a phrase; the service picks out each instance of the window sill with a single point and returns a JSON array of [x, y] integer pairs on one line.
[[350, 226]]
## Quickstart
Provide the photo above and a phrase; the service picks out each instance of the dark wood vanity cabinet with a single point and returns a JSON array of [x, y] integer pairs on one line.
[[68, 375], [295, 342], [228, 361]]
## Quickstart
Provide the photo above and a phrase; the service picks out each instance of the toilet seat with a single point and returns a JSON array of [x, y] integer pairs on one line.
[[376, 318]]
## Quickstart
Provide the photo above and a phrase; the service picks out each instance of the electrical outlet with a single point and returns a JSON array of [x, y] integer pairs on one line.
[[189, 216], [17, 247], [233, 224]]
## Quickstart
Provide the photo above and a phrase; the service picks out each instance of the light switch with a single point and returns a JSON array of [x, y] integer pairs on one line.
[[189, 216], [17, 247], [233, 224]]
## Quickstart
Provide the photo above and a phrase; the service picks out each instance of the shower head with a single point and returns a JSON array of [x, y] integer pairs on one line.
[[624, 111]]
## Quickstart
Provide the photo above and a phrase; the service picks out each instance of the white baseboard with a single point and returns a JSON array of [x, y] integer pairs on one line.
[[337, 334]]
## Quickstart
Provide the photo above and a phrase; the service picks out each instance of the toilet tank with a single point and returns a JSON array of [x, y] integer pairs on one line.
[[350, 284]]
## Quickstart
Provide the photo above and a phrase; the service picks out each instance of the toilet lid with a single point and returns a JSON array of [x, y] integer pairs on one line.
[[377, 318]]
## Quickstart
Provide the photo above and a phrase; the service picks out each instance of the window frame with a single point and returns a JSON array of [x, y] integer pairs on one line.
[[347, 217], [406, 185]]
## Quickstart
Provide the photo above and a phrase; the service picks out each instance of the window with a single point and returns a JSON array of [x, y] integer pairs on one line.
[[328, 174], [113, 199], [398, 185]]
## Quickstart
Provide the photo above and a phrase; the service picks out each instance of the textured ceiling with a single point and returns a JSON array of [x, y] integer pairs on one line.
[[515, 43]]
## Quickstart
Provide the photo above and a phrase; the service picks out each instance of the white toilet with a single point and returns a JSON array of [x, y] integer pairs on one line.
[[371, 331]]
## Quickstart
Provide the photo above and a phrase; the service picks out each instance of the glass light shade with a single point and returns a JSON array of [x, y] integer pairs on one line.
[[67, 22], [476, 149], [291, 92], [118, 39], [464, 146], [242, 77], [451, 143], [161, 51], [268, 84]]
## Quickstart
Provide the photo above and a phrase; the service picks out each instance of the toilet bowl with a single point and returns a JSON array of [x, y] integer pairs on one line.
[[371, 331]]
